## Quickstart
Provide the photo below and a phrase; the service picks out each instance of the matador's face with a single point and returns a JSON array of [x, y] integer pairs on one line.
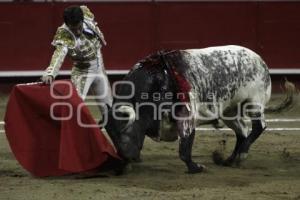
[[76, 29]]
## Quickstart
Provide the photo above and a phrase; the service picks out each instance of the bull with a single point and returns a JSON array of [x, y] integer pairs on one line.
[[172, 92]]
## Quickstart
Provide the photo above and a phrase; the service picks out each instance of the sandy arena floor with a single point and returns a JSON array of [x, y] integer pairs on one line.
[[272, 171]]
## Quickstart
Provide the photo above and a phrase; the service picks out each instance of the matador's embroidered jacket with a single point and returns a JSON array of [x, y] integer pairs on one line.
[[81, 50]]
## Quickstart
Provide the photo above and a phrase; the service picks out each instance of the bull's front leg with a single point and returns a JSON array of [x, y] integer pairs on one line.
[[185, 153], [186, 132]]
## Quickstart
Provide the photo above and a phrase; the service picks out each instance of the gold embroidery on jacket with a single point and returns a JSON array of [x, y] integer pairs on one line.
[[81, 50]]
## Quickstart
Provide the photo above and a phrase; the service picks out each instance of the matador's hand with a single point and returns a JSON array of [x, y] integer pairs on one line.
[[47, 79]]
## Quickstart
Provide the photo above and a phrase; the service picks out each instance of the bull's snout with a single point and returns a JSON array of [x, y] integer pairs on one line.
[[129, 150]]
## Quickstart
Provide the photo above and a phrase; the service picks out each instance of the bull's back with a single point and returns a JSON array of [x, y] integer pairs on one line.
[[227, 74]]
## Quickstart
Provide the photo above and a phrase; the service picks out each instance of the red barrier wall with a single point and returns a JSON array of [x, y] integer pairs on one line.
[[134, 30]]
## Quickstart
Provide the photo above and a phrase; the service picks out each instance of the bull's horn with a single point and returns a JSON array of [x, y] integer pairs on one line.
[[128, 110]]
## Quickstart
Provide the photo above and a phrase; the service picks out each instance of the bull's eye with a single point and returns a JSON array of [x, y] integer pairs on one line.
[[124, 144]]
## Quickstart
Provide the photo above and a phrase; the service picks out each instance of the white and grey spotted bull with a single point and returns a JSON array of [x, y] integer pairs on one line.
[[227, 83]]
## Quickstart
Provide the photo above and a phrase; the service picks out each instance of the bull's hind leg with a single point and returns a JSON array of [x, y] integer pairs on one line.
[[241, 130], [258, 126]]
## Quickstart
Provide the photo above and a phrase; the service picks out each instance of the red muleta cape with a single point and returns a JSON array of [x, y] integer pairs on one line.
[[49, 147]]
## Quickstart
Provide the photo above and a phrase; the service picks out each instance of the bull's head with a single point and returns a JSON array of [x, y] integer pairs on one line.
[[124, 131], [127, 125]]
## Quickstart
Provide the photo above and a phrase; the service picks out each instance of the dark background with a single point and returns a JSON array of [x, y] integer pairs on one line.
[[135, 29]]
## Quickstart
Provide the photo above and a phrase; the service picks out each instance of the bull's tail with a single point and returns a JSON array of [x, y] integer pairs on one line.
[[287, 102]]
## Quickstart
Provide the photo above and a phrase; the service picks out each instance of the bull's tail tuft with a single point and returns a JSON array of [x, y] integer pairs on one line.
[[218, 157], [287, 103]]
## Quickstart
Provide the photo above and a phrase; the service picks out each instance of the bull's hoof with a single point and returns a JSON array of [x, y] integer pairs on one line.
[[194, 168], [243, 156], [240, 158]]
